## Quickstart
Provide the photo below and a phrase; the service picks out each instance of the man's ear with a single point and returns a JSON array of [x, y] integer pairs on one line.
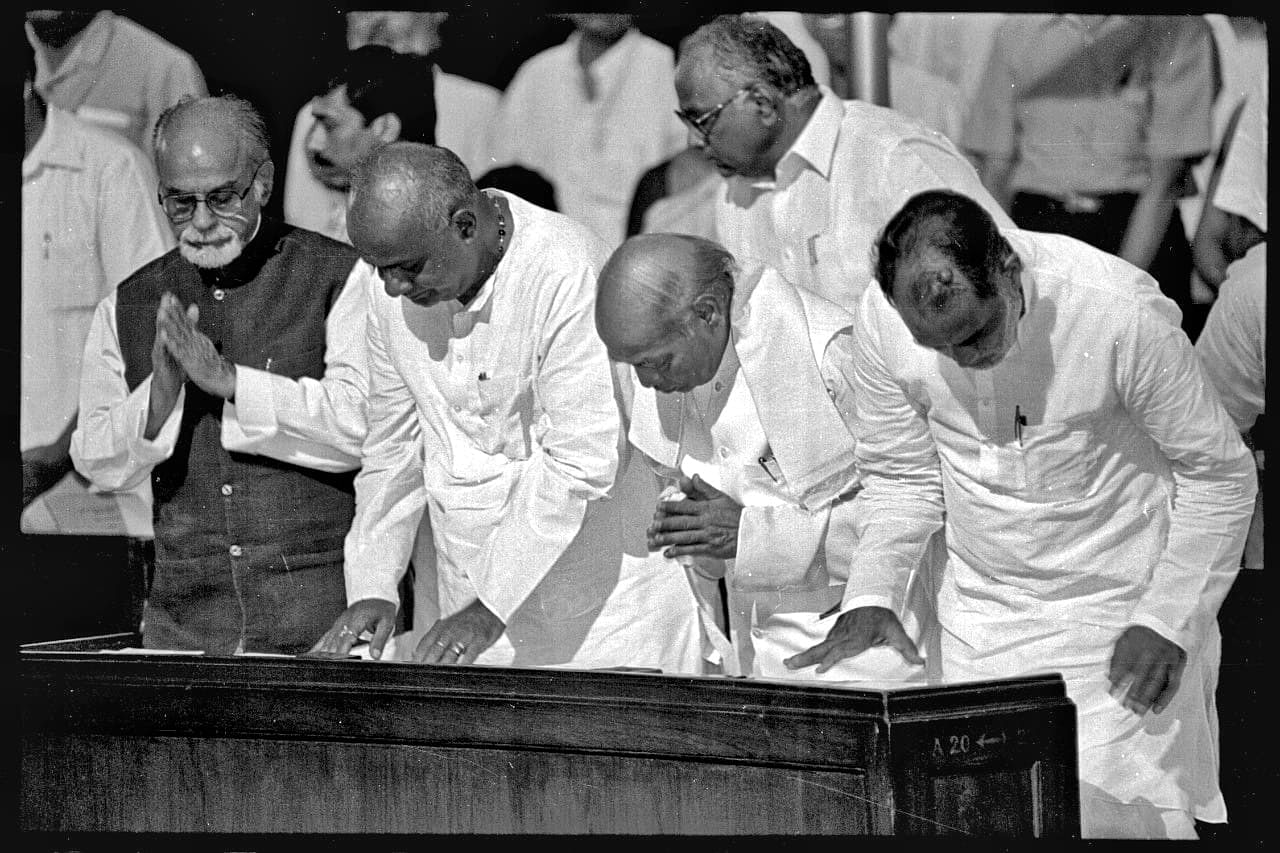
[[1011, 263], [464, 222], [766, 104], [266, 182], [707, 308], [386, 127]]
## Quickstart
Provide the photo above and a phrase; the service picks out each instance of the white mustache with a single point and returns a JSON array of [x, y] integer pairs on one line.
[[197, 247]]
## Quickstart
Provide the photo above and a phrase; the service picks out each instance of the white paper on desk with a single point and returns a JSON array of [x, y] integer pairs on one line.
[[133, 651]]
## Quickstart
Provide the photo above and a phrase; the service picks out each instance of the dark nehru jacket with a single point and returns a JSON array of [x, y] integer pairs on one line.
[[248, 549]]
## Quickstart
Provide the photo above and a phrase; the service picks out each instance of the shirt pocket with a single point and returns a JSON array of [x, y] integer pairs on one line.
[[1057, 461], [71, 265], [505, 413]]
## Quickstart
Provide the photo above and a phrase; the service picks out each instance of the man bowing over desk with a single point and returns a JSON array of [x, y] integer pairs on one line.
[[743, 404], [492, 406], [1096, 494]]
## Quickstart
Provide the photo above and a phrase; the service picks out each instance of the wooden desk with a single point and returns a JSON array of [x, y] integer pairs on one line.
[[117, 742]]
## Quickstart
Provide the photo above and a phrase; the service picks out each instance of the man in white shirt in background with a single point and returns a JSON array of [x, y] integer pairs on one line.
[[108, 70], [811, 177], [89, 219], [1096, 495], [464, 112], [592, 115], [1233, 350], [234, 346], [493, 408], [375, 96], [742, 405]]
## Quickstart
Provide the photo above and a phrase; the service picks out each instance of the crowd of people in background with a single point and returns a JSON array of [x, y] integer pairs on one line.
[[675, 356]]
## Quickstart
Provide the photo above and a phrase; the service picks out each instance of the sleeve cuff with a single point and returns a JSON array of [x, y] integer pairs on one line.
[[867, 599], [149, 452], [252, 416], [1162, 628], [359, 589]]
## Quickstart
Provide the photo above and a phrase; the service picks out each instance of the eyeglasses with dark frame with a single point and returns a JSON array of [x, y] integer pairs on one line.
[[704, 123], [227, 201]]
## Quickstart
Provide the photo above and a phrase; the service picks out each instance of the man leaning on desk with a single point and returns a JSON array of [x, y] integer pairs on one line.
[[1096, 494]]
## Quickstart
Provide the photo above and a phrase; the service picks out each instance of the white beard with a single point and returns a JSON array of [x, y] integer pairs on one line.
[[192, 246]]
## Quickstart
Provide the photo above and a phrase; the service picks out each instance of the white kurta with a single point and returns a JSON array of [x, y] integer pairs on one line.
[[464, 114], [89, 219], [119, 76], [593, 150], [1124, 501], [852, 167], [797, 528], [500, 418]]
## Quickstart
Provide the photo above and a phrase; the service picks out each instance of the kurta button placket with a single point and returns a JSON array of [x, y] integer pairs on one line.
[[219, 294], [236, 551]]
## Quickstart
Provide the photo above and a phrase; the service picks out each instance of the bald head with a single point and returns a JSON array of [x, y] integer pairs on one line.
[[662, 306], [651, 282], [406, 187]]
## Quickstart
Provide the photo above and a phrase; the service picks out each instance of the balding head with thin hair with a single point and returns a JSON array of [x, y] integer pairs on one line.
[[667, 291], [406, 185], [650, 283], [209, 147], [226, 117]]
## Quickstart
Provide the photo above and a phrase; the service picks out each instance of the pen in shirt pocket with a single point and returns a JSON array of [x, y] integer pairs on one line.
[[770, 466]]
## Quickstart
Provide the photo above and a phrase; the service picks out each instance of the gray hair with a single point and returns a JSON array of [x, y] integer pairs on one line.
[[750, 48], [714, 269], [237, 109]]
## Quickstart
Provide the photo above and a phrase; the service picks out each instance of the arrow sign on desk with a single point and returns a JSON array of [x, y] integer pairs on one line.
[[985, 741]]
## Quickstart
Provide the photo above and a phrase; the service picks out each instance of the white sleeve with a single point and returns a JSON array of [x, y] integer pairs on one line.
[[900, 506], [314, 423], [108, 446], [1232, 346], [390, 494], [1165, 391]]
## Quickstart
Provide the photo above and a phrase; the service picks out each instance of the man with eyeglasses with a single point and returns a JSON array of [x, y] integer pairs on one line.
[[812, 177], [242, 343]]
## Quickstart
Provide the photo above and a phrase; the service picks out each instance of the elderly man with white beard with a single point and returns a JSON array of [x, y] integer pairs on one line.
[[236, 346]]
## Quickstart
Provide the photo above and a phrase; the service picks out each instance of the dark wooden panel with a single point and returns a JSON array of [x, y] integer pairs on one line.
[[1012, 772], [154, 743], [234, 785]]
